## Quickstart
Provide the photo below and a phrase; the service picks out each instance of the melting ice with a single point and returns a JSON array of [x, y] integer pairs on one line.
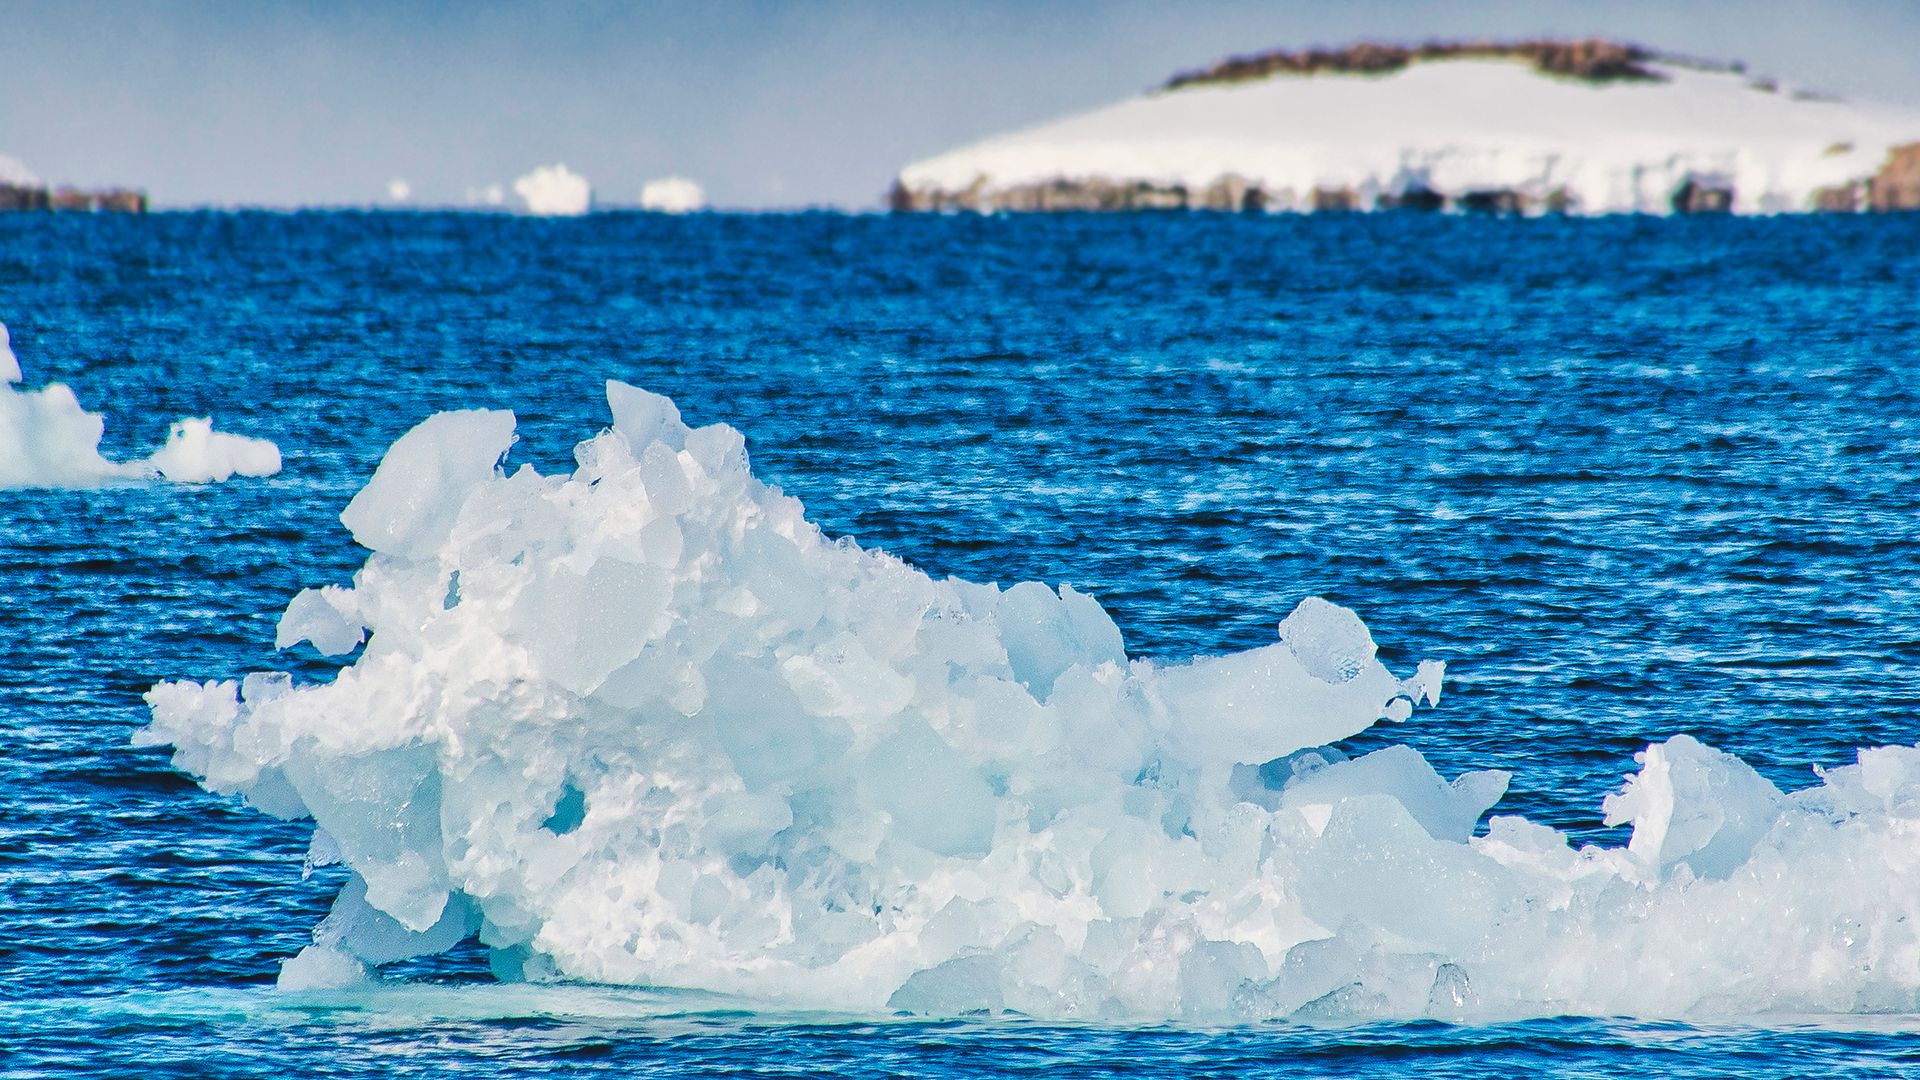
[[645, 724], [48, 440]]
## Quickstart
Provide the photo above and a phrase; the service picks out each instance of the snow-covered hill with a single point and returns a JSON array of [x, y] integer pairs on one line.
[[14, 174], [1472, 131]]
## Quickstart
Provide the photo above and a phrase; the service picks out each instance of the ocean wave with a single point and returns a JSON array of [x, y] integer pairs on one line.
[[645, 724]]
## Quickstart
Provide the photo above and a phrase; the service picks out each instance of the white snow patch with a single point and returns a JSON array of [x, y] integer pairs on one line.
[[673, 195], [1454, 127], [48, 440], [14, 173], [554, 191]]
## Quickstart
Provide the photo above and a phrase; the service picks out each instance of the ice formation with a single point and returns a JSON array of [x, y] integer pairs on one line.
[[197, 454], [487, 195], [672, 195], [1453, 128], [554, 191], [644, 724], [48, 440]]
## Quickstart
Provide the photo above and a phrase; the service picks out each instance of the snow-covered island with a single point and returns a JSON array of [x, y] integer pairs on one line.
[[1582, 127]]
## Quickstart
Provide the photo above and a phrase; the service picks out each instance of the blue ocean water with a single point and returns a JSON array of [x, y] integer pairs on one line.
[[1628, 478]]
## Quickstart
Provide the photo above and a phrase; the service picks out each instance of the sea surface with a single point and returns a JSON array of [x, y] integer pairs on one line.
[[1628, 478]]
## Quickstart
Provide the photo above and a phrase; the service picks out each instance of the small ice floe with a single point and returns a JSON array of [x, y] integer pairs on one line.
[[48, 440]]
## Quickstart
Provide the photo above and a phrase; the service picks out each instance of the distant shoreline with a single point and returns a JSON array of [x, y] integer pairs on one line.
[[884, 212]]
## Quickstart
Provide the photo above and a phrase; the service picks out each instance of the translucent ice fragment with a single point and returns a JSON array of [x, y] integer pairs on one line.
[[1448, 811], [410, 503], [1330, 641], [1692, 804], [935, 800], [353, 926], [320, 967], [326, 617], [643, 417], [959, 987]]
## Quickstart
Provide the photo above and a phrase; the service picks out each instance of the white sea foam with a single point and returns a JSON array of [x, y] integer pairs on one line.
[[554, 191], [672, 195], [48, 440], [645, 724]]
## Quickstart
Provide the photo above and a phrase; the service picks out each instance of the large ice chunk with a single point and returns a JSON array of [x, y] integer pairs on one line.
[[643, 723]]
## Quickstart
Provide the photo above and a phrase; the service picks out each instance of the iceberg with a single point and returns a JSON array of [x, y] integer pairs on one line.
[[643, 723], [672, 195], [48, 440], [553, 191]]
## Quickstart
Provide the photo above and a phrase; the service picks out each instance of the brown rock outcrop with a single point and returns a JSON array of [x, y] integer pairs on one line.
[[1500, 201], [1841, 199], [1897, 185], [1698, 196], [1230, 194], [1324, 199], [1413, 198], [1592, 60], [120, 201], [16, 197], [72, 200]]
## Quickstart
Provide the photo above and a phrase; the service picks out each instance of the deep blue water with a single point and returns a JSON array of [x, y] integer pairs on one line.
[[1628, 478]]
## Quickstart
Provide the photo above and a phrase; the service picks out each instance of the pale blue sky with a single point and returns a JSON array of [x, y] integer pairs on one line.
[[765, 104]]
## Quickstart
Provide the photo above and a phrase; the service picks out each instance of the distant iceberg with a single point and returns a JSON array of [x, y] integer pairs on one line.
[[672, 195], [489, 195], [48, 440], [554, 191], [644, 723]]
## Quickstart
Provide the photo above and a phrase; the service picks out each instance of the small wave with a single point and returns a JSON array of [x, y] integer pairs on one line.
[[644, 724]]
